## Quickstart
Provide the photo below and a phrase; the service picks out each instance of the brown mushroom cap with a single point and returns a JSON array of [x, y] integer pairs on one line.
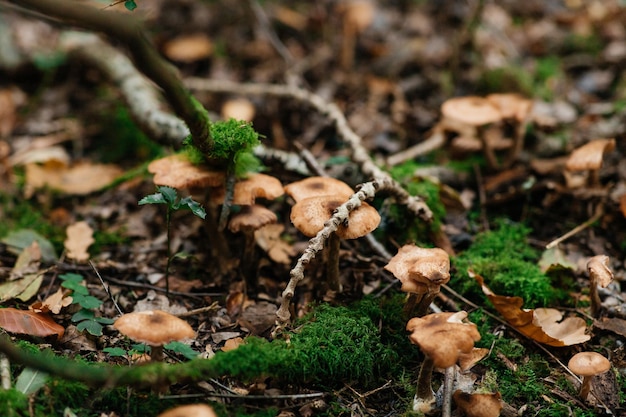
[[589, 156], [247, 190], [178, 172], [443, 337], [588, 364], [192, 410], [420, 269], [310, 214], [252, 218], [153, 327], [478, 405], [599, 271], [318, 186], [511, 105], [470, 110]]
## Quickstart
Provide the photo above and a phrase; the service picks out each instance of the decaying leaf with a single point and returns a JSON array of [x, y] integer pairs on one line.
[[18, 240], [81, 179], [25, 276], [27, 261], [79, 238], [232, 344], [28, 322], [268, 238], [54, 303], [541, 324], [611, 324]]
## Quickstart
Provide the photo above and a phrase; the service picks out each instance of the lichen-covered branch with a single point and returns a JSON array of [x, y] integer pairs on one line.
[[130, 32]]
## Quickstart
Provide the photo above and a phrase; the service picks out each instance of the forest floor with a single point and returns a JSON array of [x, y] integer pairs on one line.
[[520, 215]]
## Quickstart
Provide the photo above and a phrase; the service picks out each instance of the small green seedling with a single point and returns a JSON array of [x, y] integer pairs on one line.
[[167, 195], [175, 346], [85, 318]]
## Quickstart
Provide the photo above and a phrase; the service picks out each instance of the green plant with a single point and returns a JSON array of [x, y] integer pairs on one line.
[[167, 195], [84, 318]]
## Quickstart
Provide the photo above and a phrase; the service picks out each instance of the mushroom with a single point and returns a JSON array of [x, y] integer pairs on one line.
[[309, 216], [250, 219], [588, 365], [588, 158], [422, 272], [599, 275], [318, 186], [443, 338], [478, 405], [155, 328], [191, 410]]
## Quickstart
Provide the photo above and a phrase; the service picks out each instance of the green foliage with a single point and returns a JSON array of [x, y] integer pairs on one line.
[[181, 349], [122, 140], [130, 5], [508, 265], [84, 318], [167, 195]]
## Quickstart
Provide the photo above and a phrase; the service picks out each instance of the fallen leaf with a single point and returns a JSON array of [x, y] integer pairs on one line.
[[268, 238], [79, 238], [232, 344], [28, 322], [54, 303], [27, 261], [81, 179], [541, 324], [17, 240], [24, 288], [611, 324]]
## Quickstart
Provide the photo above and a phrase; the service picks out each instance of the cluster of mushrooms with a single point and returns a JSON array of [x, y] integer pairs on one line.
[[446, 339]]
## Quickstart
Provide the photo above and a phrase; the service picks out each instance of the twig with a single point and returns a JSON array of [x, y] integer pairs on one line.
[[599, 212], [106, 288], [155, 288], [435, 141], [195, 312], [5, 372]]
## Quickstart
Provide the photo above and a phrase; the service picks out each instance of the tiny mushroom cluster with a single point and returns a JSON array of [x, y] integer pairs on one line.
[[422, 272], [443, 338], [316, 199], [469, 117]]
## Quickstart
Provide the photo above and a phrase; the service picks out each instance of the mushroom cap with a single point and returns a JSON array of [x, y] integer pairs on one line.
[[589, 156], [443, 337], [192, 410], [420, 269], [247, 190], [588, 364], [470, 110], [251, 218], [310, 214], [238, 108], [599, 271], [318, 186], [153, 327], [478, 405], [511, 105], [178, 172]]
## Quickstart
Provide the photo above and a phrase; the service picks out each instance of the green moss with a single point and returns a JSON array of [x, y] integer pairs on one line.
[[508, 264], [13, 403], [233, 143]]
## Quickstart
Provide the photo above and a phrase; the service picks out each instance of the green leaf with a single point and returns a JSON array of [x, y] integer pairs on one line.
[[194, 206], [115, 351], [156, 198], [93, 327], [181, 349], [30, 381], [86, 301], [20, 239], [140, 348], [83, 314], [130, 5], [169, 194], [104, 320]]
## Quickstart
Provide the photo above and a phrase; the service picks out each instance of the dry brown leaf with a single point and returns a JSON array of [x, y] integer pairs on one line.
[[611, 324], [268, 238], [232, 344], [541, 324], [54, 303], [79, 238], [28, 322], [81, 179], [27, 261]]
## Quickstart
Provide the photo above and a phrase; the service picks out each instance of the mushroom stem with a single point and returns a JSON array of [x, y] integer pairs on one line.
[[425, 302], [249, 264], [448, 382], [585, 387], [596, 303], [424, 396], [332, 263], [156, 353], [218, 246]]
